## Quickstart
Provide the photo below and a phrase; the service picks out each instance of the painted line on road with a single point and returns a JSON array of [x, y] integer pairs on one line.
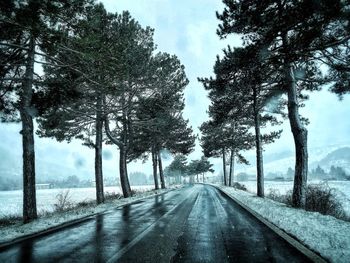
[[289, 239], [147, 230]]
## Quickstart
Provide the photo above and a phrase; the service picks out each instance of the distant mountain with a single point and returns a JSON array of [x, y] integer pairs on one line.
[[339, 157], [339, 154], [278, 163]]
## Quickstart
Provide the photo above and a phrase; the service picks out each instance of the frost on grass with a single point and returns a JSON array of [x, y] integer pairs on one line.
[[328, 236], [67, 214]]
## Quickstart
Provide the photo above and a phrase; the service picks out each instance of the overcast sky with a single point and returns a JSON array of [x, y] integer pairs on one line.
[[187, 28]]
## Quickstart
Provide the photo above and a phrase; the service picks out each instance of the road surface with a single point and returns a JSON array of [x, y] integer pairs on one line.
[[192, 224]]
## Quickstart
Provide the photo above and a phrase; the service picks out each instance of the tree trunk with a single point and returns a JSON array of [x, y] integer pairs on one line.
[[300, 141], [26, 113], [98, 152], [154, 163], [122, 145], [258, 147], [124, 180], [232, 163], [203, 177], [298, 130], [224, 165], [161, 174], [197, 179]]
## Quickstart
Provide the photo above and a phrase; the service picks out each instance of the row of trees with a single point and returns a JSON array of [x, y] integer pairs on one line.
[[102, 82], [180, 167], [285, 42], [237, 112], [335, 172]]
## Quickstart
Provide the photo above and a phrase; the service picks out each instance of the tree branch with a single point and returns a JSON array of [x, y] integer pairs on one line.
[[109, 135], [13, 45]]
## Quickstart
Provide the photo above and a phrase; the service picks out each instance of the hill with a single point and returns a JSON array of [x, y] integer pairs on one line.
[[338, 158], [325, 157]]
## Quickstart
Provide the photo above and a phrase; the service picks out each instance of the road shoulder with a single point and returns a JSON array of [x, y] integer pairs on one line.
[[317, 236]]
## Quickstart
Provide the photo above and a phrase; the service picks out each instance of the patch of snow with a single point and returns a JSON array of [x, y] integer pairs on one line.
[[342, 189], [328, 236], [11, 202]]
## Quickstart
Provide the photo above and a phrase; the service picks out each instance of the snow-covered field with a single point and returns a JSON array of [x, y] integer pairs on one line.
[[8, 233], [11, 201], [324, 234], [342, 189]]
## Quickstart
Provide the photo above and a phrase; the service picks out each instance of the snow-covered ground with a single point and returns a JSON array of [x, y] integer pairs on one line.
[[326, 235], [11, 232], [342, 189], [11, 201]]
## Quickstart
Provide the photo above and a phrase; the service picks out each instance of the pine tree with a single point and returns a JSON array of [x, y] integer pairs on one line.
[[218, 139], [288, 32], [239, 79], [204, 166], [74, 100], [131, 51], [29, 30], [201, 166], [178, 167], [192, 170], [238, 99], [159, 123]]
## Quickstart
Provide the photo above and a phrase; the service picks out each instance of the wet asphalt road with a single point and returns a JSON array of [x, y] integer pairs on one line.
[[193, 224]]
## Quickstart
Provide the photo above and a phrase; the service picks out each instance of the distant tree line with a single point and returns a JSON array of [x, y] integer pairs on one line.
[[102, 82], [7, 184], [334, 173], [285, 43], [72, 181], [195, 171], [318, 173]]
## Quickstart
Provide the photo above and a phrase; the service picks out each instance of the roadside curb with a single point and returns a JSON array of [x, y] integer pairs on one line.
[[284, 235], [73, 222]]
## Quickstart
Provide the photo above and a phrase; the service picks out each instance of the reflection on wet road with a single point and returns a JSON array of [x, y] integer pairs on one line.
[[192, 224]]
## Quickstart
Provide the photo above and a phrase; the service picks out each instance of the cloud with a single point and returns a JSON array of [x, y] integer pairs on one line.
[[196, 34]]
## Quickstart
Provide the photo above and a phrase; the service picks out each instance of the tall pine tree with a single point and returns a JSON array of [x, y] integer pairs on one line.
[[29, 30], [288, 33]]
